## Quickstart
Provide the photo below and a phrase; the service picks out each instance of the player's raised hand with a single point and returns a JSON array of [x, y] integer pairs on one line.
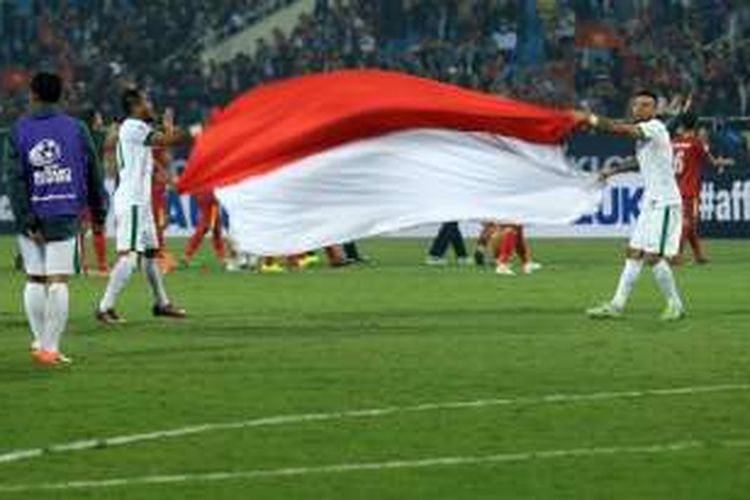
[[195, 130], [582, 118]]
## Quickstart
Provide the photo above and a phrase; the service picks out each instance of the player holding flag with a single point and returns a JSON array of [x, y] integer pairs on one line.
[[657, 232]]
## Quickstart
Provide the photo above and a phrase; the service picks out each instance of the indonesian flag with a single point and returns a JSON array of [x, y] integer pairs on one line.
[[329, 158]]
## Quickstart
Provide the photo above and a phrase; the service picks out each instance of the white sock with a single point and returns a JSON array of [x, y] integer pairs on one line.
[[35, 303], [629, 276], [665, 280], [56, 317], [117, 280], [156, 280]]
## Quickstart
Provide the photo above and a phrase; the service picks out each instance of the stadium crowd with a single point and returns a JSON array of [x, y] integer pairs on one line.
[[487, 44], [101, 45], [561, 52], [699, 47]]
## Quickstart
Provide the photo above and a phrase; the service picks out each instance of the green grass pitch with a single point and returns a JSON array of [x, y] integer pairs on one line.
[[395, 334]]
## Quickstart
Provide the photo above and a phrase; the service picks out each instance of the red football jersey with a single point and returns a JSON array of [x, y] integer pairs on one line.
[[690, 154]]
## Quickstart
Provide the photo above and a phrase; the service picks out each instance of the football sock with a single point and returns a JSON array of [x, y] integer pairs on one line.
[[56, 316], [665, 280], [628, 278], [156, 281], [34, 302], [117, 280]]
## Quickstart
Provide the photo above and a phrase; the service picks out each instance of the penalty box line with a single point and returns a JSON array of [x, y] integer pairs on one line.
[[279, 420], [424, 463]]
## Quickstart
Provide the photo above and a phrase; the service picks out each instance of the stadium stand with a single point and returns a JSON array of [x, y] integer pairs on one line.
[[703, 50], [554, 52]]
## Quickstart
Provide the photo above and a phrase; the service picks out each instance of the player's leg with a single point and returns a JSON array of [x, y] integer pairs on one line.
[[128, 245], [162, 305], [35, 290], [523, 250], [217, 233], [335, 256], [351, 252], [666, 242], [196, 239], [690, 214], [59, 267], [677, 260], [436, 253], [160, 219], [480, 252], [100, 250], [81, 253], [630, 271], [625, 285], [125, 264], [628, 277], [81, 260], [167, 261], [194, 242], [456, 240], [505, 250]]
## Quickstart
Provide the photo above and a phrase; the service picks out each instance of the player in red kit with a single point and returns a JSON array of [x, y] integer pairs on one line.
[[209, 219], [691, 153], [159, 183], [95, 121], [508, 239], [514, 241]]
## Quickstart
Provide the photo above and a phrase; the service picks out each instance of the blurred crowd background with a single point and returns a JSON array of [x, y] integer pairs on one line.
[[590, 53]]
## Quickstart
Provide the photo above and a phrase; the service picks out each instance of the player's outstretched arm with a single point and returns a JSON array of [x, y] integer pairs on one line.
[[629, 164], [605, 125]]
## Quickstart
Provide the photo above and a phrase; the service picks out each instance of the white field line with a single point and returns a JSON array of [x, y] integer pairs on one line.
[[559, 398], [424, 463]]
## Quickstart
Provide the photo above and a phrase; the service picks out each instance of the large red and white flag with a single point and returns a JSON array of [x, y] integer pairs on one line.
[[329, 158]]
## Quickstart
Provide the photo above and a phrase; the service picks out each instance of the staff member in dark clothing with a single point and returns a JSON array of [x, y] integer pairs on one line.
[[449, 234], [52, 176]]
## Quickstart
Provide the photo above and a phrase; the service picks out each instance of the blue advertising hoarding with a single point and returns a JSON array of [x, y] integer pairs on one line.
[[724, 207]]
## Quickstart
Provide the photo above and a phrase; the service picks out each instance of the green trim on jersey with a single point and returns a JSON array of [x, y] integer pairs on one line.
[[664, 232], [133, 227], [119, 157]]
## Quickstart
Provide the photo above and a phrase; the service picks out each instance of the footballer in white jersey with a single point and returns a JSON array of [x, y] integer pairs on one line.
[[656, 236], [134, 220]]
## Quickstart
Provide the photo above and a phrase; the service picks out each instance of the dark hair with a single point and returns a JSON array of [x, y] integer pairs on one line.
[[130, 97], [89, 115], [647, 93], [47, 87], [689, 120]]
